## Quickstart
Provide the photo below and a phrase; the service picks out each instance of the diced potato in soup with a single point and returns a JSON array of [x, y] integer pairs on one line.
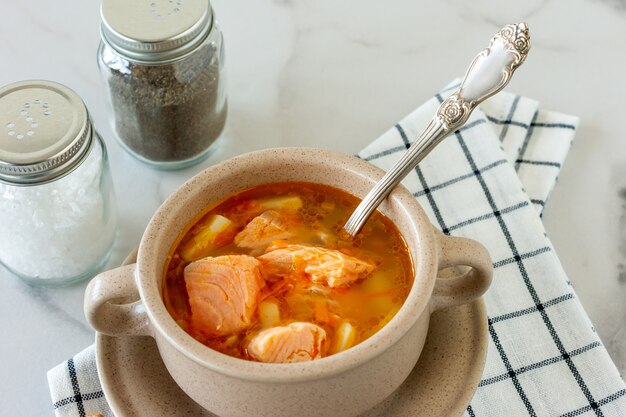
[[288, 203], [344, 337], [267, 274], [205, 238], [269, 313]]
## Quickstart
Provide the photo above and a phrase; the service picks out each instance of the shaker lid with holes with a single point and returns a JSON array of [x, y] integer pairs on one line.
[[155, 30], [45, 132]]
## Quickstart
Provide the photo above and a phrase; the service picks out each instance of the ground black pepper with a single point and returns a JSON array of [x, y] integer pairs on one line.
[[168, 112]]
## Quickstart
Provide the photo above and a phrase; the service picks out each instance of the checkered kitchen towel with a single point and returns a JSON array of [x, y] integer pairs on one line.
[[489, 181]]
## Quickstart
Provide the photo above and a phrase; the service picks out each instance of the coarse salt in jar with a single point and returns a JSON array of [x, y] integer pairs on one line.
[[163, 65], [58, 216]]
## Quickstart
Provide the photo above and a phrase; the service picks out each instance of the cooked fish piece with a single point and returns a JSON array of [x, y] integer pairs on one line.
[[264, 229], [320, 265], [296, 342], [223, 293]]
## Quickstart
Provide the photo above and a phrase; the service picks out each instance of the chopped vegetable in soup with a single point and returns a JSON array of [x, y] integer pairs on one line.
[[267, 275]]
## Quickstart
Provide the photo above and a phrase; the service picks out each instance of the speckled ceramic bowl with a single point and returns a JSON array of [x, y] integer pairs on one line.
[[344, 384]]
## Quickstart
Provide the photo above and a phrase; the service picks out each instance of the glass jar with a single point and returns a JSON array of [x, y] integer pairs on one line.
[[58, 217], [163, 65]]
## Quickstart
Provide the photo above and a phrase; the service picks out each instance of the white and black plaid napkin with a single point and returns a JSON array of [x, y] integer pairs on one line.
[[489, 181]]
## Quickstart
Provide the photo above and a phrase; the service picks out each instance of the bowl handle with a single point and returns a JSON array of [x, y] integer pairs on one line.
[[112, 305], [460, 284]]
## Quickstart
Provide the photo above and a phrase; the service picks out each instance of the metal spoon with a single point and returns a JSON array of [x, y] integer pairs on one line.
[[488, 73]]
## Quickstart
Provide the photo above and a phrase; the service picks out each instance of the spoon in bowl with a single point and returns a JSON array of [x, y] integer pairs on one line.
[[488, 73]]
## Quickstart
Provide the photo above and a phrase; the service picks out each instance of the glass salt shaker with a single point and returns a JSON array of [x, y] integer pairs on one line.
[[163, 65], [58, 218]]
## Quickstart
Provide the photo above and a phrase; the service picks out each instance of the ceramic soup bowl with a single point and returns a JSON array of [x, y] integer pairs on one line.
[[127, 301]]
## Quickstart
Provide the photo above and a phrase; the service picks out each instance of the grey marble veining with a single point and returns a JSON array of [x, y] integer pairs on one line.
[[336, 75]]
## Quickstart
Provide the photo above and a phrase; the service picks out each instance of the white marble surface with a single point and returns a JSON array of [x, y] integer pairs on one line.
[[335, 75]]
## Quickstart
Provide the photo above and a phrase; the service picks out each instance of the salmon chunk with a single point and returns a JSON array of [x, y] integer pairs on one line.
[[296, 342], [320, 265], [264, 229], [223, 293]]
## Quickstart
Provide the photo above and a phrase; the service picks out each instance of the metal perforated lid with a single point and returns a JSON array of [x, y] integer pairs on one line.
[[44, 132], [155, 30]]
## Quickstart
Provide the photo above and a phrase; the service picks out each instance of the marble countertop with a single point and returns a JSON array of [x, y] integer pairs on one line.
[[335, 75]]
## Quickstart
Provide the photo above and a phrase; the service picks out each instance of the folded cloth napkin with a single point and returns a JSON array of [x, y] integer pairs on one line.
[[489, 181]]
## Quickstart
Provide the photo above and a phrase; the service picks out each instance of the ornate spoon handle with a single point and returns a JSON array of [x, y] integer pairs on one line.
[[488, 73]]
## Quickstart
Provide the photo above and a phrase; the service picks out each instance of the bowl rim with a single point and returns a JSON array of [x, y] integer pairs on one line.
[[416, 304]]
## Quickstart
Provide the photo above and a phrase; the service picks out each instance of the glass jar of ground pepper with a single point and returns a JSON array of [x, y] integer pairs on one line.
[[163, 65]]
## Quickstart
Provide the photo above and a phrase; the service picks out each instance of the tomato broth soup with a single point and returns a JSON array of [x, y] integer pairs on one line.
[[268, 275]]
